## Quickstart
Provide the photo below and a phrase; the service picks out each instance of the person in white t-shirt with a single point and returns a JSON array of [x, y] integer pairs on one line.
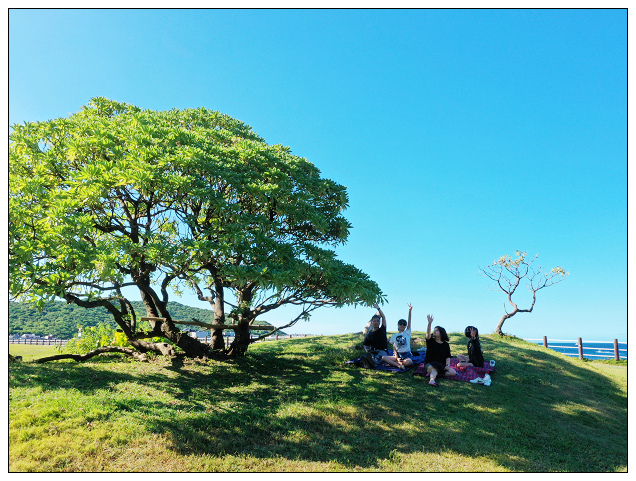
[[401, 342]]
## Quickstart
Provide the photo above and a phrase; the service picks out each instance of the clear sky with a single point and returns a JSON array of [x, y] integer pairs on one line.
[[461, 135]]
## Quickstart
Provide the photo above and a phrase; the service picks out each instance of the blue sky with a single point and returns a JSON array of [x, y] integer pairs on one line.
[[461, 135]]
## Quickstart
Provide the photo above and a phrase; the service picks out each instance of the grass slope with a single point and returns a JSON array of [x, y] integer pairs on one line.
[[291, 405]]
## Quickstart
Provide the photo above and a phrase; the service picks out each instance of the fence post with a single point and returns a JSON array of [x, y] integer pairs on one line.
[[616, 356], [580, 348], [545, 341]]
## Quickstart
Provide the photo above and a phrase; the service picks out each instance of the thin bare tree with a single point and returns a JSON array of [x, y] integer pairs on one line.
[[508, 273]]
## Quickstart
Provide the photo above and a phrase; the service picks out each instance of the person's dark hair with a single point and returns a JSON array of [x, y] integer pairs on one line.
[[467, 331], [402, 322], [369, 327], [442, 333]]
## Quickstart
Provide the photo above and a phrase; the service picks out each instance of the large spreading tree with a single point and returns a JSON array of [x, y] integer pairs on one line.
[[115, 197]]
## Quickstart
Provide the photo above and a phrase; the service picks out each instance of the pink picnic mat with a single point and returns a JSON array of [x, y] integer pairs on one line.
[[463, 374]]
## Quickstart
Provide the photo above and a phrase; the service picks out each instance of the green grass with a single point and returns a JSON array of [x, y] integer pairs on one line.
[[30, 352], [292, 405]]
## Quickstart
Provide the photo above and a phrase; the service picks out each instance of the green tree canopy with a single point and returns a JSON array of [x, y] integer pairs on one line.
[[115, 196]]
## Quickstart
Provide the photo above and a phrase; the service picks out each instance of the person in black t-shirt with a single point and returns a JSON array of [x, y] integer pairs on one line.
[[437, 360], [375, 336], [475, 355]]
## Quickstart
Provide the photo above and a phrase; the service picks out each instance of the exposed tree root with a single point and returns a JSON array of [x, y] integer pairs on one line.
[[100, 350]]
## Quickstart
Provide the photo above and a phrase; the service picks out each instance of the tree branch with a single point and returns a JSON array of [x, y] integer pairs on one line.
[[164, 287], [302, 314], [198, 290]]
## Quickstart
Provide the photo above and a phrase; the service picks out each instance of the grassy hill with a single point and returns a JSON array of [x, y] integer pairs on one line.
[[292, 405], [60, 319]]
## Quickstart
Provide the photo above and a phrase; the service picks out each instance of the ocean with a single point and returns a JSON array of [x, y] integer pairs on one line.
[[591, 349]]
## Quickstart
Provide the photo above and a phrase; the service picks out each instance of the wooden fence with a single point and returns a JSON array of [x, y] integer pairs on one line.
[[581, 345], [206, 339], [229, 339], [39, 342]]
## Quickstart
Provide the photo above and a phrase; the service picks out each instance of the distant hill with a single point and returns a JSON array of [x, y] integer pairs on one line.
[[60, 319]]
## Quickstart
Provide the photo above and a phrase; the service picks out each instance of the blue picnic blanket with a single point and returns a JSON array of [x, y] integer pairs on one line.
[[417, 358]]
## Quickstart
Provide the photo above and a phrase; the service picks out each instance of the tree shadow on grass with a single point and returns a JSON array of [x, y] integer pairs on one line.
[[544, 412], [66, 375], [541, 414]]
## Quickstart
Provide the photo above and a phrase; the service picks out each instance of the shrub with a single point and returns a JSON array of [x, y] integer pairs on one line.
[[94, 337], [102, 335]]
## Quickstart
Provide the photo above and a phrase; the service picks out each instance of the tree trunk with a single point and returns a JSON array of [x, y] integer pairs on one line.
[[501, 322], [162, 348], [217, 339], [191, 346], [241, 340], [151, 309]]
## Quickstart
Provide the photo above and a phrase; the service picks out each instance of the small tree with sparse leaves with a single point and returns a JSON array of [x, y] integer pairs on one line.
[[508, 274]]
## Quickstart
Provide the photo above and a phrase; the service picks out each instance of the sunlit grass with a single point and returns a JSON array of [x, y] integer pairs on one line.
[[30, 352], [293, 406]]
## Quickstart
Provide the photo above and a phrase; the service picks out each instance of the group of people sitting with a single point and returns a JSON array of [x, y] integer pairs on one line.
[[438, 355]]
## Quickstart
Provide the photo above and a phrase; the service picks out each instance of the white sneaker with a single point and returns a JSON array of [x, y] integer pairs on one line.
[[477, 380]]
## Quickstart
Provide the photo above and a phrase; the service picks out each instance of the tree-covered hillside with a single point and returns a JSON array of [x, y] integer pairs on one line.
[[61, 320]]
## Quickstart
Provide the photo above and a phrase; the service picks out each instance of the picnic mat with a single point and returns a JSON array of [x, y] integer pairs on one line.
[[463, 374], [418, 357]]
